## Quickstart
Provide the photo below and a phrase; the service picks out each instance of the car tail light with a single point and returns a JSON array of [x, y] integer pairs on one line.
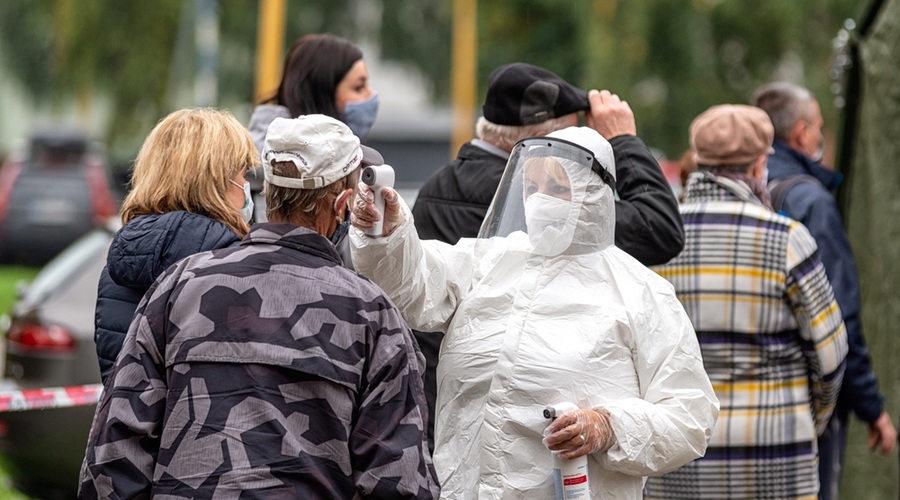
[[102, 202], [35, 337]]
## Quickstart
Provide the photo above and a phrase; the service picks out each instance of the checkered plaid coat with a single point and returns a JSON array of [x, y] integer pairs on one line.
[[772, 339]]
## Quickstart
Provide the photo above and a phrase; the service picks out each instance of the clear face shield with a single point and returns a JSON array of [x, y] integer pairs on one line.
[[542, 193]]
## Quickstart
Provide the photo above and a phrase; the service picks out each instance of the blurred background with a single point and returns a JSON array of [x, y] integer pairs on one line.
[[83, 82], [115, 67]]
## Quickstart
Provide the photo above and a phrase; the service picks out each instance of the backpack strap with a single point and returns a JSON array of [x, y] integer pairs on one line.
[[778, 189]]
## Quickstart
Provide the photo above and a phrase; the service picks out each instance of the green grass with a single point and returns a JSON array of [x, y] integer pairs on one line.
[[10, 276]]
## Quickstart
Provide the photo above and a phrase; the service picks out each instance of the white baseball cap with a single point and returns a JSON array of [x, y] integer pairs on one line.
[[323, 149]]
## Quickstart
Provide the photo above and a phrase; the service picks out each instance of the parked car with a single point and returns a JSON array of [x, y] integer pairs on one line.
[[52, 191], [49, 343]]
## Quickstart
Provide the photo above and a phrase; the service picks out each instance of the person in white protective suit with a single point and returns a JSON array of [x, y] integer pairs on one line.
[[541, 309]]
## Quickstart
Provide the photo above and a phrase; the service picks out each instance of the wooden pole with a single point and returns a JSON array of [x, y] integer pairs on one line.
[[269, 46], [464, 68]]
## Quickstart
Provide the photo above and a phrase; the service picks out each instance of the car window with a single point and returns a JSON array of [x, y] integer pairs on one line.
[[56, 159], [59, 149]]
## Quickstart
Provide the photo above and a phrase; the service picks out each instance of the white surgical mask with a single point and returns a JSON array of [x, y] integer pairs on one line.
[[549, 228], [360, 115], [247, 209], [820, 150]]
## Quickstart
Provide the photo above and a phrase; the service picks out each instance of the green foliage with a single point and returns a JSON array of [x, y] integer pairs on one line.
[[670, 59], [520, 31], [419, 33], [26, 37], [10, 277], [7, 492]]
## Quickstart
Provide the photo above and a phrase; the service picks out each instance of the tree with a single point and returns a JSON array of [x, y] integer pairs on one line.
[[669, 58], [137, 54]]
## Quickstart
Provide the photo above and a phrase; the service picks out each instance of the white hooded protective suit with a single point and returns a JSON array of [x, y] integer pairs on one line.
[[589, 325]]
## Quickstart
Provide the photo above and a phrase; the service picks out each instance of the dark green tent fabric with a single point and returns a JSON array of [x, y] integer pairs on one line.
[[871, 203]]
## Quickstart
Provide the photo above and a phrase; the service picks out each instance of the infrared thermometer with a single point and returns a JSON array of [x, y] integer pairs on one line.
[[377, 177]]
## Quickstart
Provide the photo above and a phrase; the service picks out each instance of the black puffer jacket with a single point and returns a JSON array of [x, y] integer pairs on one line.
[[139, 253], [453, 202]]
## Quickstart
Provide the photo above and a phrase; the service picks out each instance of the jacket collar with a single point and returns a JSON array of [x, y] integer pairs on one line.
[[294, 237], [705, 187], [787, 161], [490, 148]]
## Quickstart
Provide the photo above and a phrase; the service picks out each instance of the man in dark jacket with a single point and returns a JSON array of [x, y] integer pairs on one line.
[[269, 370], [798, 145], [527, 101]]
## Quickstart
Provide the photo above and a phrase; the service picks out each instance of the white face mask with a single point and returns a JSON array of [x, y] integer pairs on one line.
[[547, 219], [247, 209], [360, 115], [820, 150]]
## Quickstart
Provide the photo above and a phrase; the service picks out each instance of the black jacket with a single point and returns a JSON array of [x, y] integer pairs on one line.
[[453, 202], [144, 248]]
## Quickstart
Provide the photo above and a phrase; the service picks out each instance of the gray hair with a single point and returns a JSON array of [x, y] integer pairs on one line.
[[786, 104], [285, 204], [506, 136]]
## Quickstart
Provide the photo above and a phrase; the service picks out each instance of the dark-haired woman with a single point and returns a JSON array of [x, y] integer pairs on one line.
[[323, 74]]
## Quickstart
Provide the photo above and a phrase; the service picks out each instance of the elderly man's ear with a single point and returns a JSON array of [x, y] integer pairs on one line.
[[760, 168], [342, 203]]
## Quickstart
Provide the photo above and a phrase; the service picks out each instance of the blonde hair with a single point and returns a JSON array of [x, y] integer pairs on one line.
[[187, 163], [506, 136], [549, 166]]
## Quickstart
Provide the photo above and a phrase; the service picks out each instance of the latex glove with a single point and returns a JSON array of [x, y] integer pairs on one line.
[[609, 115], [882, 434], [579, 432], [364, 213]]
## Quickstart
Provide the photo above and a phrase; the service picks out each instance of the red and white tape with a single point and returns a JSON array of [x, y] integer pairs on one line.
[[49, 397]]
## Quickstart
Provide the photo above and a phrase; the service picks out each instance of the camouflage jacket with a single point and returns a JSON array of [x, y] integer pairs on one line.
[[263, 371]]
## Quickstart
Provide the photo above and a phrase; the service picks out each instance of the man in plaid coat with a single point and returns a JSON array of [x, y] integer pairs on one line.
[[770, 331]]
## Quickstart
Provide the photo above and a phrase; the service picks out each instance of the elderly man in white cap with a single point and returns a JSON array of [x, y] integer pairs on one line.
[[543, 309], [269, 369]]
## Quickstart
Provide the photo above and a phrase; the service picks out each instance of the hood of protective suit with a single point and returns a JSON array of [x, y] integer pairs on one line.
[[530, 324], [578, 215]]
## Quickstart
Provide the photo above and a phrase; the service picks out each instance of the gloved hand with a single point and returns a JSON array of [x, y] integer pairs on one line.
[[579, 432], [365, 214]]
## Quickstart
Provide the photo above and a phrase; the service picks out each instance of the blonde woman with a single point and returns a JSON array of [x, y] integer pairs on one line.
[[188, 195]]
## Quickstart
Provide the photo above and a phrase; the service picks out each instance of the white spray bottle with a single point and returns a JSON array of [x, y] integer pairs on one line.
[[570, 477]]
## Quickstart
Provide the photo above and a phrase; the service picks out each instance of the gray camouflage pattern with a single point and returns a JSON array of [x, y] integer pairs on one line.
[[263, 371]]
